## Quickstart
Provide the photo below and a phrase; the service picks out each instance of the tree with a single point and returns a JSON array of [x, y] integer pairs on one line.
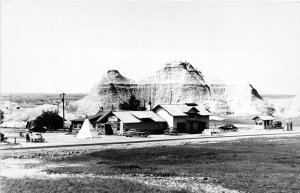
[[132, 104], [48, 120]]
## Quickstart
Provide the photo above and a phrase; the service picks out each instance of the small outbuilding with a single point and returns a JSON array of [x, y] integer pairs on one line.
[[265, 120], [186, 118], [123, 121]]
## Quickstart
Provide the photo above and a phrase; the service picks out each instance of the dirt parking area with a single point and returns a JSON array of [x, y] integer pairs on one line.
[[65, 139]]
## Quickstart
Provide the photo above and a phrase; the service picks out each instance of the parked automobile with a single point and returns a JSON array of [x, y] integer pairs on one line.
[[136, 132], [228, 127], [171, 131], [278, 125], [36, 137]]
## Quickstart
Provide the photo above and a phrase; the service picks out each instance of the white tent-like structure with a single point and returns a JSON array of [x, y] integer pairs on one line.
[[86, 131]]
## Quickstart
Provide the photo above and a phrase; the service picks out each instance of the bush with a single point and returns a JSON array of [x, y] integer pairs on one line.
[[48, 120]]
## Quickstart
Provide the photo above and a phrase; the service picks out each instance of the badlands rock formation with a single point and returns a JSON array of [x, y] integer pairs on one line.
[[112, 89], [288, 107], [176, 82]]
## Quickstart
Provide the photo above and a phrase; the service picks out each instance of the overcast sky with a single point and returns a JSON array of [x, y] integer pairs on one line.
[[66, 46]]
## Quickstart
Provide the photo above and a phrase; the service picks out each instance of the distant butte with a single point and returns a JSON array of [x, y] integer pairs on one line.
[[185, 82]]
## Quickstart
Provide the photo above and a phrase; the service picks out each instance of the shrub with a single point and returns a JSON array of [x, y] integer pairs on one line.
[[48, 120]]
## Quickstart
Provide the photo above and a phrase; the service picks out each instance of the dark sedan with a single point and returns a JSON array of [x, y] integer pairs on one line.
[[228, 127], [136, 132], [278, 125], [171, 131]]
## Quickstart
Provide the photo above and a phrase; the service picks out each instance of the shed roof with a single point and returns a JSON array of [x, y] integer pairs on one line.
[[126, 117], [138, 116], [99, 116], [141, 114], [148, 114], [182, 109]]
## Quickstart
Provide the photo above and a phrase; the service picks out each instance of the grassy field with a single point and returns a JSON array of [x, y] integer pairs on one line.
[[103, 185], [251, 165]]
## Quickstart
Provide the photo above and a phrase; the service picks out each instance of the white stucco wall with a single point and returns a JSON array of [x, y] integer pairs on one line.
[[121, 128], [178, 120]]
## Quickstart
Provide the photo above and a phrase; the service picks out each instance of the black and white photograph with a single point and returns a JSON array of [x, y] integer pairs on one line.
[[158, 96]]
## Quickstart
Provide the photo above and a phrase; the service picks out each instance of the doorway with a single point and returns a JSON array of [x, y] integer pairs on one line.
[[181, 127]]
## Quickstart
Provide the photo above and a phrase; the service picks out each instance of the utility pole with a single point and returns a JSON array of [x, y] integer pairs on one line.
[[63, 101], [171, 98], [10, 103]]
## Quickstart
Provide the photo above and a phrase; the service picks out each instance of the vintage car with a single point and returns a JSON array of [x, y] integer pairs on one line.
[[228, 127], [136, 132], [36, 137], [278, 125], [171, 131]]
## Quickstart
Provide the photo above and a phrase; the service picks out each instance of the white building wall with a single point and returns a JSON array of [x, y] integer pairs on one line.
[[179, 120], [121, 128], [164, 114]]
